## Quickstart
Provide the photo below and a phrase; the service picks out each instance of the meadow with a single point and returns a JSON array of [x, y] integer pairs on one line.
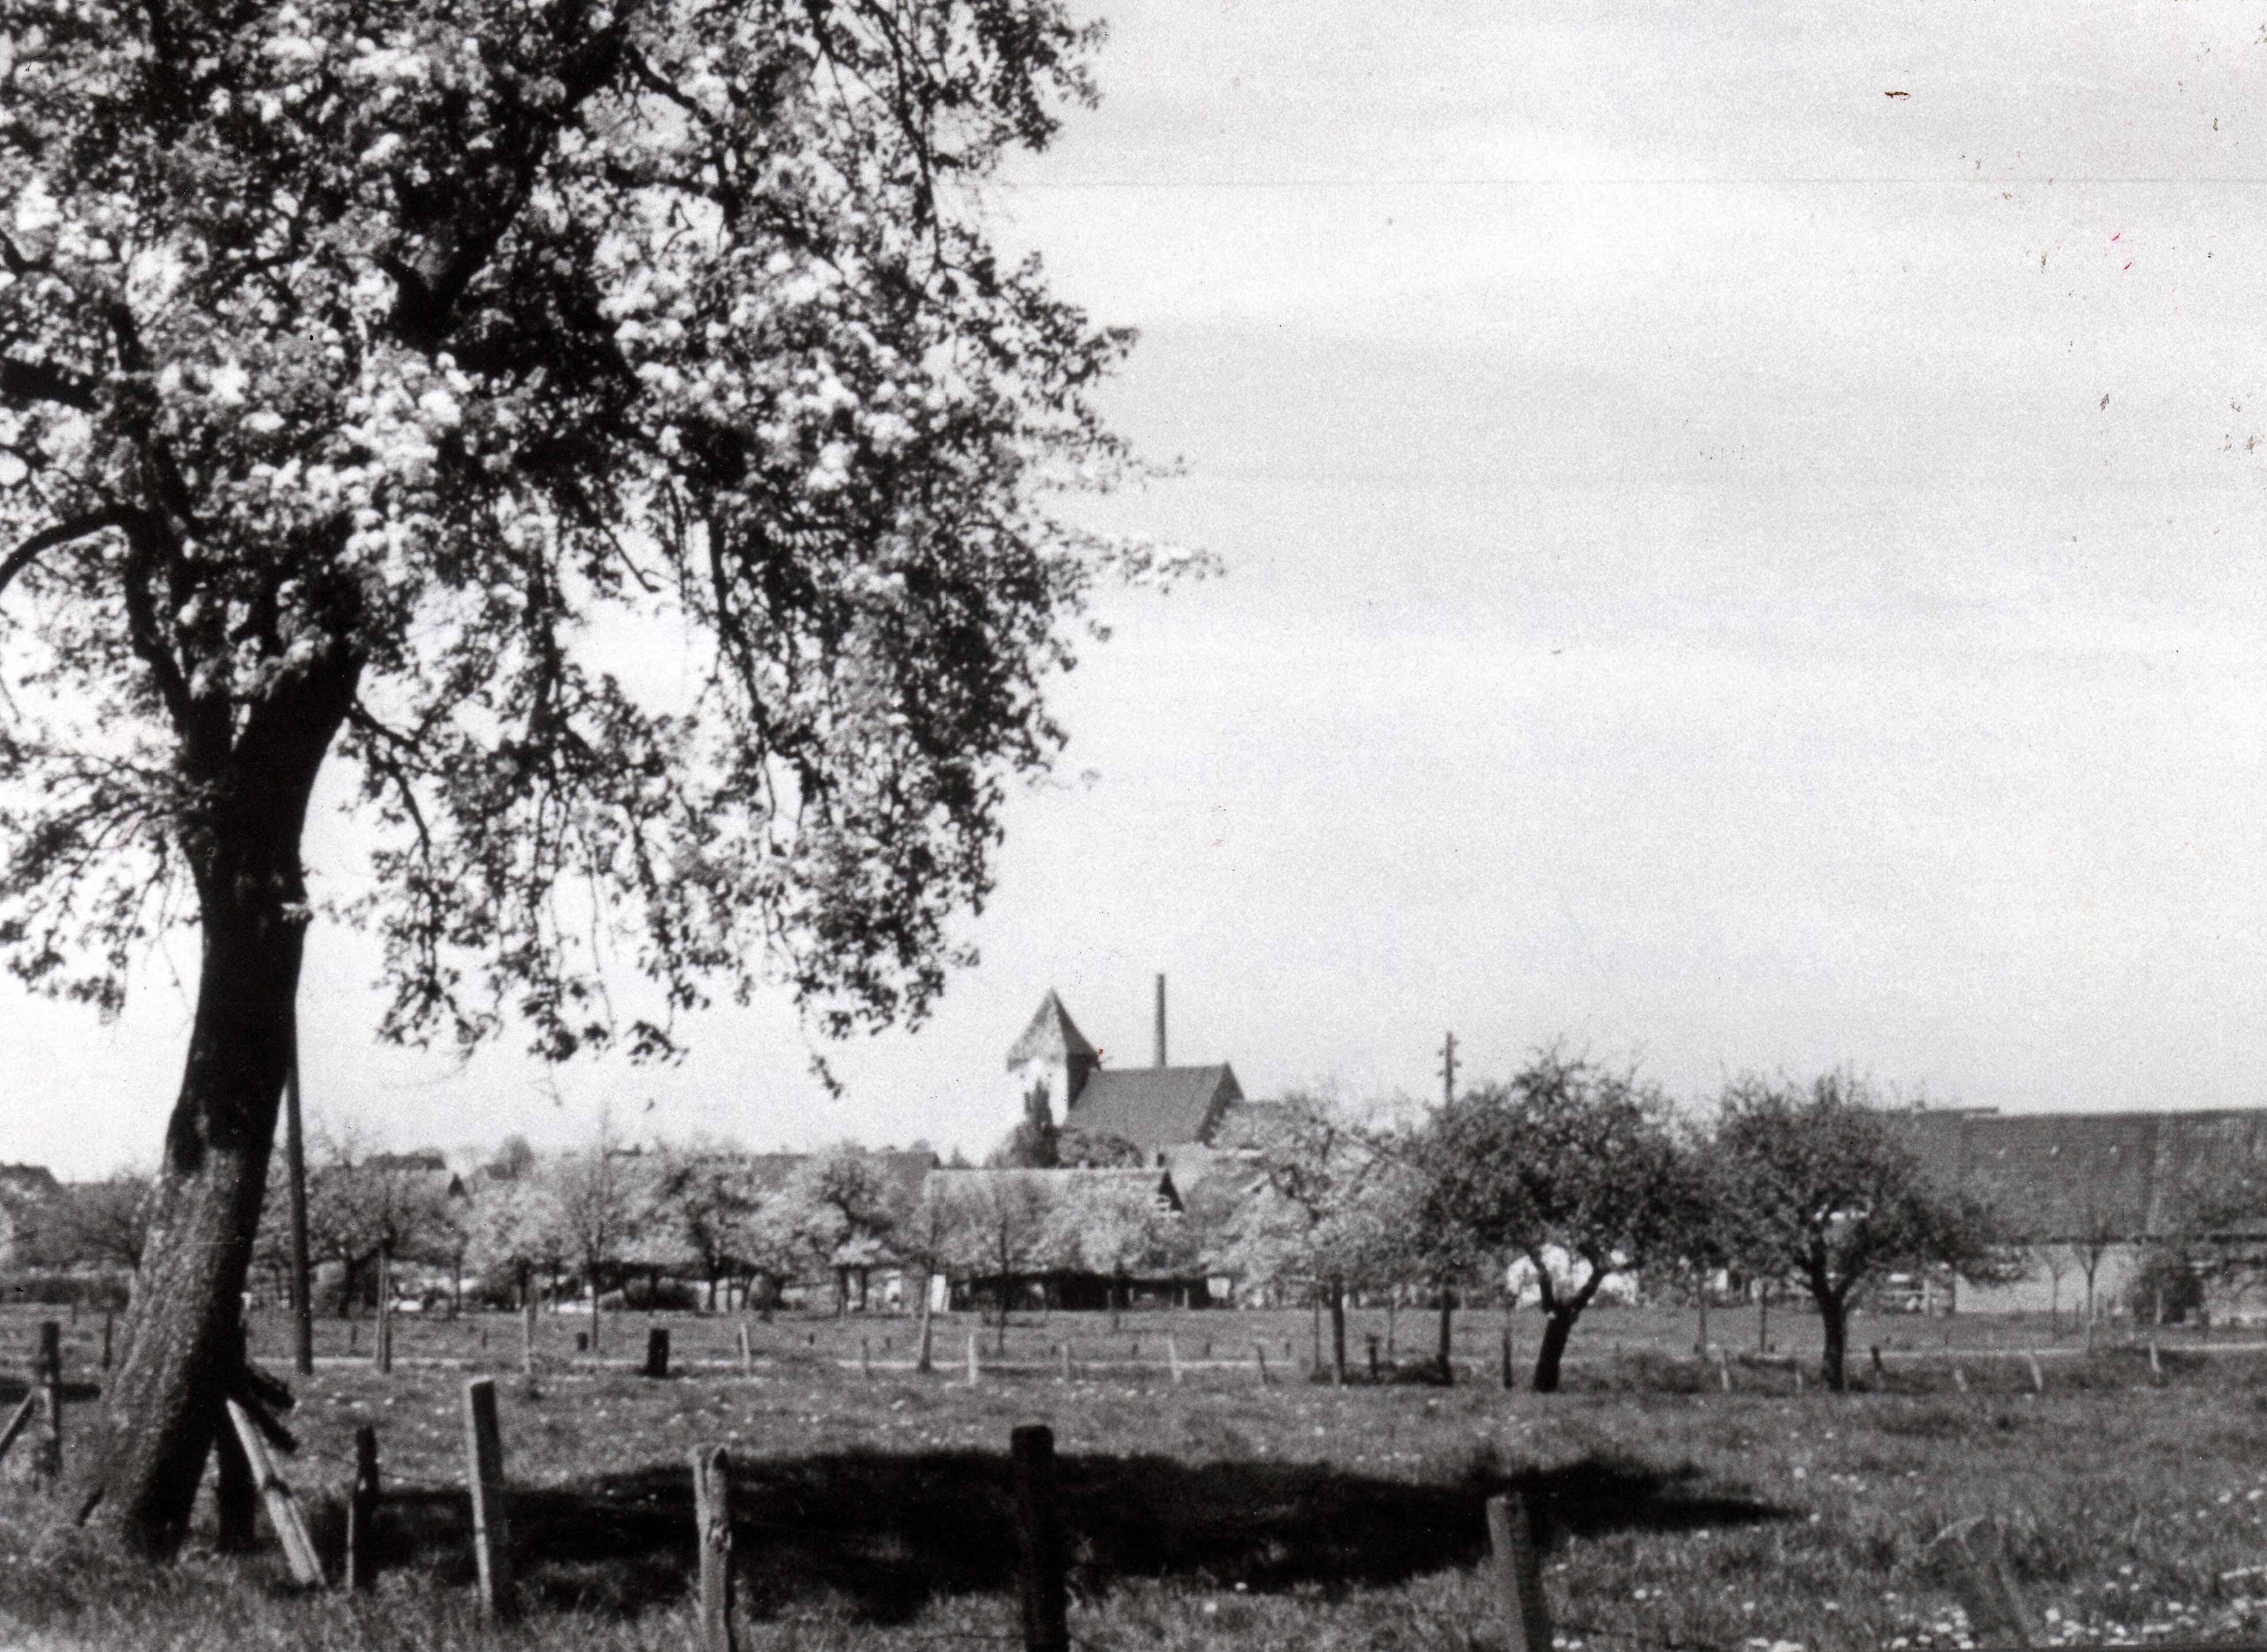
[[873, 1507]]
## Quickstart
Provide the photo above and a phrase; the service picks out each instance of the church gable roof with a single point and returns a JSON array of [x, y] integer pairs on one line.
[[1154, 1107], [1053, 1036]]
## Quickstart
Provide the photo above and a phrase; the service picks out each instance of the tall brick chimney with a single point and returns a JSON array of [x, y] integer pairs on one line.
[[1160, 1021]]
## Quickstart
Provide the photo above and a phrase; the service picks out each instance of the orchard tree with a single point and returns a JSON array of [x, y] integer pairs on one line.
[[846, 1205], [1818, 1186], [1576, 1169], [1314, 1209], [603, 426]]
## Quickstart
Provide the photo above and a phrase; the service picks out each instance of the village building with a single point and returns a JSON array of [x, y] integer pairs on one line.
[[1175, 1116], [2078, 1186]]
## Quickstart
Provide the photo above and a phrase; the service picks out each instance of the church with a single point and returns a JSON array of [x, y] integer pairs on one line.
[[1175, 1115]]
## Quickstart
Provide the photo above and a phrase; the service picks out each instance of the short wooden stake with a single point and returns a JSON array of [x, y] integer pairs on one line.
[[1518, 1574], [1960, 1379], [362, 1507], [971, 1358], [1259, 1352], [2155, 1369], [747, 1352], [1798, 1377], [712, 1506], [1373, 1356], [657, 1351], [1510, 1381], [1066, 1360], [1878, 1369], [1039, 1540], [1173, 1361], [484, 1478], [866, 1358], [106, 1318], [2038, 1377], [527, 1337], [1724, 1369], [283, 1505]]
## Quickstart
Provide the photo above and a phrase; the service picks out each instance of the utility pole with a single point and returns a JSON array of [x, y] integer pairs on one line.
[[1448, 1069], [295, 1155]]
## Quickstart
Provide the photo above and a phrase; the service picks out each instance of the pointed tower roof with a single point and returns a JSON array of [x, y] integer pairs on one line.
[[1051, 1036]]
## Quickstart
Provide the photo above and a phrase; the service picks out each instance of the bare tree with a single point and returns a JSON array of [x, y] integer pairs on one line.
[[595, 1194]]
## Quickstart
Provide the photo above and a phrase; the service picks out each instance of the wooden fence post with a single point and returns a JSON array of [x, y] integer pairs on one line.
[[51, 1388], [1510, 1380], [1039, 1540], [971, 1358], [1985, 1587], [711, 1509], [283, 1505], [362, 1507], [1724, 1369], [2038, 1377], [527, 1337], [1878, 1369], [1259, 1352], [1173, 1361], [106, 1318], [1518, 1574], [484, 1478], [747, 1352], [2155, 1369], [866, 1358], [1960, 1379], [383, 1353], [657, 1351], [1066, 1360]]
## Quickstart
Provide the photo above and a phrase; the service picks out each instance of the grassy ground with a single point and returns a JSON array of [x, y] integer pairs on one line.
[[874, 1510]]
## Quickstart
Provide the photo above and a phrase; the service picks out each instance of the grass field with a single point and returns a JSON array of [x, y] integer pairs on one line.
[[874, 1509]]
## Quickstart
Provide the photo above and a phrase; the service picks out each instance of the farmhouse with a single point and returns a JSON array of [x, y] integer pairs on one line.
[[2082, 1185], [1175, 1115]]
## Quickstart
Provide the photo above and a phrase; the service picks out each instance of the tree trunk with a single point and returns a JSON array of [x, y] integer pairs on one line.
[[1447, 1353], [1556, 1327], [1834, 1315], [1702, 1347], [164, 1404]]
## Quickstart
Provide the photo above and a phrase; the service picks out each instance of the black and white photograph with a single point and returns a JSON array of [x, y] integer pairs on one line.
[[1122, 825]]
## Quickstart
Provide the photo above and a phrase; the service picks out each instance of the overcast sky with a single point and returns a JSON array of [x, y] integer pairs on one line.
[[1726, 566]]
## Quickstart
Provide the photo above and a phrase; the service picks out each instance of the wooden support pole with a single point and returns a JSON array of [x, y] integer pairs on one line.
[[1510, 1380], [712, 1507], [282, 1504], [1066, 1359], [1173, 1361], [1960, 1379], [1724, 1369], [2038, 1377], [527, 1335], [657, 1351], [1259, 1352], [51, 1387], [2155, 1369], [1878, 1369], [971, 1358], [747, 1352], [1518, 1574], [1039, 1540], [866, 1358], [235, 1493], [484, 1478], [362, 1507], [107, 1318]]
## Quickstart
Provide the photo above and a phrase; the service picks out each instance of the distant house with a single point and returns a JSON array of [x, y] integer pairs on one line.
[[1173, 1114], [28, 1194]]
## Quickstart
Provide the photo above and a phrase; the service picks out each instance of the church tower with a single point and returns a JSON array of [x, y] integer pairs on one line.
[[1053, 1051]]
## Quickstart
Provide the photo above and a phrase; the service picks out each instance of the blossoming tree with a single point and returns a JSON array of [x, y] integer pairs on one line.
[[605, 428]]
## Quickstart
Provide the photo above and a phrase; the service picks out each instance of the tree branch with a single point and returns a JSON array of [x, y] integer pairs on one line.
[[61, 533]]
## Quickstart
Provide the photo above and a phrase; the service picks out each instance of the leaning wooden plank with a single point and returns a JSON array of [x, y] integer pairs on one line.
[[283, 1505], [20, 1421]]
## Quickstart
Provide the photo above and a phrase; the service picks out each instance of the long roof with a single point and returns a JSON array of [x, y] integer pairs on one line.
[[1153, 1106], [1157, 1183], [2055, 1173]]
